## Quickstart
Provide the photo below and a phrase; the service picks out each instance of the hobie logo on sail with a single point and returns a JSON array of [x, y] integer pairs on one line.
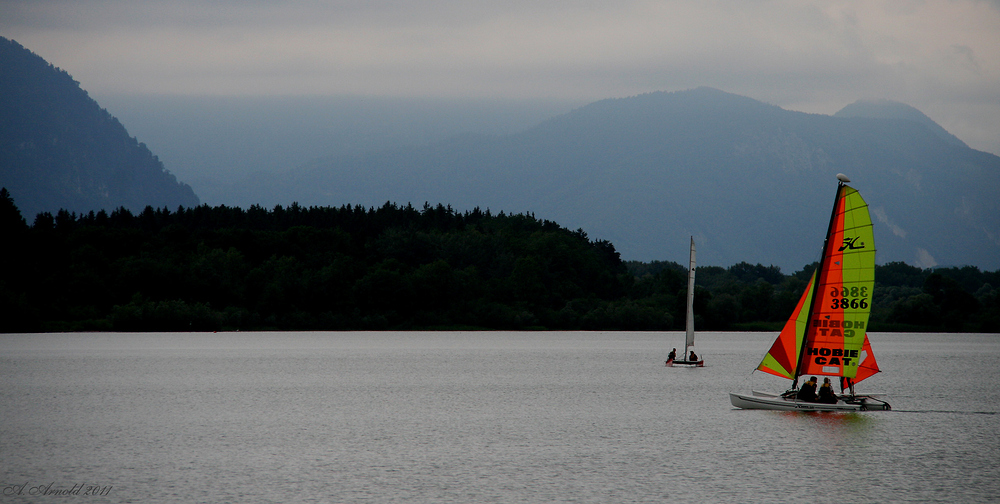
[[851, 244], [837, 328], [833, 356]]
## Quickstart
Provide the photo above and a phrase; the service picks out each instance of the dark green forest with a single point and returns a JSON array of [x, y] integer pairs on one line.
[[399, 267]]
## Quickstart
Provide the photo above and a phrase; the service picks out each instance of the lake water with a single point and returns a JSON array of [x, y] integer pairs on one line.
[[480, 417]]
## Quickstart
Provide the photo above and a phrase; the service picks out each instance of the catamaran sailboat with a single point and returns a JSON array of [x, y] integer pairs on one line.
[[688, 358], [826, 334]]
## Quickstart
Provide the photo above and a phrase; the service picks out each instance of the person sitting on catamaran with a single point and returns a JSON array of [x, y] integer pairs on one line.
[[808, 390], [826, 394], [694, 358], [672, 355]]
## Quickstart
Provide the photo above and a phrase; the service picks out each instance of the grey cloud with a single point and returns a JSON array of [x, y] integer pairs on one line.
[[815, 56]]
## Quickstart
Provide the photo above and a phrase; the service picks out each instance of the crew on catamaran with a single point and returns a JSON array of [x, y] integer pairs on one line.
[[826, 394], [672, 355], [808, 390], [847, 384], [694, 358]]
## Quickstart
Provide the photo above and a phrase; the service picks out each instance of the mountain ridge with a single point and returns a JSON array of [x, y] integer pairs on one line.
[[888, 109], [60, 150], [749, 180], [613, 166]]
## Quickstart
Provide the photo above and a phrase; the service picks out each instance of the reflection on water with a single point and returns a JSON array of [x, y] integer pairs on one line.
[[469, 417], [831, 420]]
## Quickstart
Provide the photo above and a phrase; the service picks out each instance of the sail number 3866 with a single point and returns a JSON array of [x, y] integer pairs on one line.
[[849, 297]]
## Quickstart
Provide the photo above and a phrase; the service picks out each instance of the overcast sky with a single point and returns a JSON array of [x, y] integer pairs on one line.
[[942, 57]]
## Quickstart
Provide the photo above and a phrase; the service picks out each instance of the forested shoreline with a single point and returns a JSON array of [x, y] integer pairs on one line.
[[402, 268]]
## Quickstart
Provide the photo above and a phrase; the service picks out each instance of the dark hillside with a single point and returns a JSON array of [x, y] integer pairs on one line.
[[60, 150]]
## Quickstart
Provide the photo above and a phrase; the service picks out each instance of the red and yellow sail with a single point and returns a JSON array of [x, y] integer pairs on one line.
[[867, 367], [784, 353], [827, 332], [835, 333]]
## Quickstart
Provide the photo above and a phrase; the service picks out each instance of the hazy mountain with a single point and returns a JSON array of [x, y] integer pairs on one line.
[[887, 109], [209, 140], [750, 181], [60, 150]]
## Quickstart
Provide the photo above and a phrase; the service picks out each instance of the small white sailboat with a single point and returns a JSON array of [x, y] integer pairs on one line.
[[688, 358], [826, 334]]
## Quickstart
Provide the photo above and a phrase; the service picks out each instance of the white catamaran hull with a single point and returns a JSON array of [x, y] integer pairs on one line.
[[697, 363], [763, 400]]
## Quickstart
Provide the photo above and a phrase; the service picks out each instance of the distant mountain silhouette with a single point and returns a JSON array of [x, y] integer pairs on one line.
[[60, 150], [750, 181], [887, 109]]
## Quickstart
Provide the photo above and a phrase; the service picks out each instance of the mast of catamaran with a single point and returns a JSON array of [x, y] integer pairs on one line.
[[689, 326], [842, 179]]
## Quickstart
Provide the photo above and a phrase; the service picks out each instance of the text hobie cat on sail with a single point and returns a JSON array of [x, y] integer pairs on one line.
[[826, 334]]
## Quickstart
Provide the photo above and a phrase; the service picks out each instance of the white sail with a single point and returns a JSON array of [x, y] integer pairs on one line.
[[689, 327]]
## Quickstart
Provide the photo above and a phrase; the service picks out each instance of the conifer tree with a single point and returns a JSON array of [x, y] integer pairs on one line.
[[11, 220]]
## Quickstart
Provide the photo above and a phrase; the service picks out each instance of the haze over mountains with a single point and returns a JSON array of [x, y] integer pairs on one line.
[[750, 181]]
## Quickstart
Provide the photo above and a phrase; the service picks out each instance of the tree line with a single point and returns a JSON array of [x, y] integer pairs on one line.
[[403, 268]]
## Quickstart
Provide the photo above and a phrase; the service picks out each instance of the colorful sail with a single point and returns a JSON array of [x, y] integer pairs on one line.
[[827, 332], [838, 320], [867, 367], [783, 356]]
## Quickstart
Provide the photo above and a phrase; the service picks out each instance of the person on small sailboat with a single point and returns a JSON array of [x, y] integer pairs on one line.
[[692, 359]]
